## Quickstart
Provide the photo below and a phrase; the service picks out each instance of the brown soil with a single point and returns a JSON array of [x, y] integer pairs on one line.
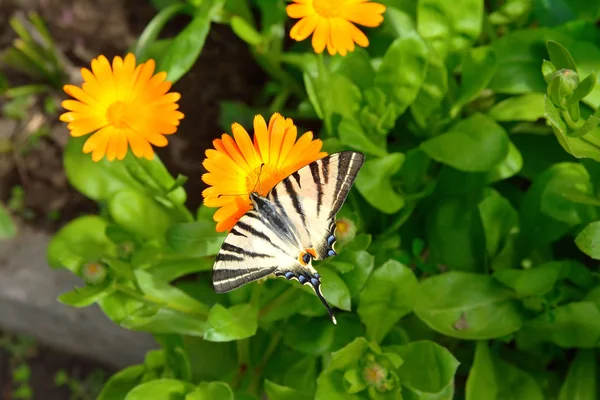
[[82, 30]]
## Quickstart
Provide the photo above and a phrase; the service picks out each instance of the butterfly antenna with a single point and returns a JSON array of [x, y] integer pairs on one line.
[[231, 194], [258, 179], [317, 290]]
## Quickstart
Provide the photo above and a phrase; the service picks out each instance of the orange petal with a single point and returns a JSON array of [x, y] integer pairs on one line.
[[234, 152], [299, 10], [366, 14], [321, 35], [121, 144], [137, 143], [288, 143], [357, 35], [261, 138], [277, 132], [245, 144], [80, 95], [303, 28]]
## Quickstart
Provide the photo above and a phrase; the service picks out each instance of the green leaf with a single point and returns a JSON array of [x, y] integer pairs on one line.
[[575, 324], [580, 383], [388, 296], [403, 70], [152, 30], [322, 333], [464, 249], [121, 383], [535, 281], [279, 392], [547, 212], [352, 134], [478, 68], [560, 56], [169, 295], [519, 54], [356, 278], [330, 387], [8, 228], [139, 214], [185, 49], [345, 357], [450, 27], [81, 241], [467, 306], [210, 391], [355, 66], [245, 31], [85, 296], [374, 182], [195, 238], [499, 220], [163, 320], [334, 289], [96, 180], [527, 107], [156, 179], [475, 144], [481, 382], [588, 240], [428, 368], [432, 92], [585, 88], [494, 379], [160, 389], [330, 92], [234, 323]]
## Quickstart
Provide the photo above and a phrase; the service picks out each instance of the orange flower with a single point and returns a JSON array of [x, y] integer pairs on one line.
[[332, 22], [234, 166], [124, 105]]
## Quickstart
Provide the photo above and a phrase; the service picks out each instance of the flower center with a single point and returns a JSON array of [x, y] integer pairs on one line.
[[267, 177], [117, 114], [342, 226], [328, 8]]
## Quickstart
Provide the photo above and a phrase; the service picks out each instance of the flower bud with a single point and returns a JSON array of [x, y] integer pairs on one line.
[[94, 273]]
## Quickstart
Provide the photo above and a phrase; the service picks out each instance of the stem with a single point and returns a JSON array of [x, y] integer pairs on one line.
[[180, 209], [145, 298], [326, 116], [279, 101]]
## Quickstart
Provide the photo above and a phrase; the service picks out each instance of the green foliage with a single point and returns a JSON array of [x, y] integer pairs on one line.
[[469, 267]]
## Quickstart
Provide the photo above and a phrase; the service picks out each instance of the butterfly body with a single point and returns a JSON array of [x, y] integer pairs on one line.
[[291, 226]]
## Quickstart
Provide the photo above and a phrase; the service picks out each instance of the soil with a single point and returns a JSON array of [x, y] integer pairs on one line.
[[32, 180], [82, 30]]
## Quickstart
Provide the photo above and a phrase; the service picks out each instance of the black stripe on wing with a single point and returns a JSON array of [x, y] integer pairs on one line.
[[238, 251], [348, 165], [227, 279], [314, 171]]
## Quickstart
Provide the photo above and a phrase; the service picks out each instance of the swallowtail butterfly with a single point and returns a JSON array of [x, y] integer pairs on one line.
[[291, 226]]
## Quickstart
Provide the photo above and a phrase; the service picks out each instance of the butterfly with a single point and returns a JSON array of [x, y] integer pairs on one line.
[[289, 227]]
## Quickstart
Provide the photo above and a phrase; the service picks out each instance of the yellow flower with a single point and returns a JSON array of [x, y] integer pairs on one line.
[[124, 105], [332, 22], [237, 166]]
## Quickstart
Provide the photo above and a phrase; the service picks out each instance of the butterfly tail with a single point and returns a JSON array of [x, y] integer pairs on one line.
[[317, 288]]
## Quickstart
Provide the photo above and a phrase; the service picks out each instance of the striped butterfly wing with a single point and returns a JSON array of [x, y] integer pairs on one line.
[[312, 196], [250, 252], [296, 219]]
